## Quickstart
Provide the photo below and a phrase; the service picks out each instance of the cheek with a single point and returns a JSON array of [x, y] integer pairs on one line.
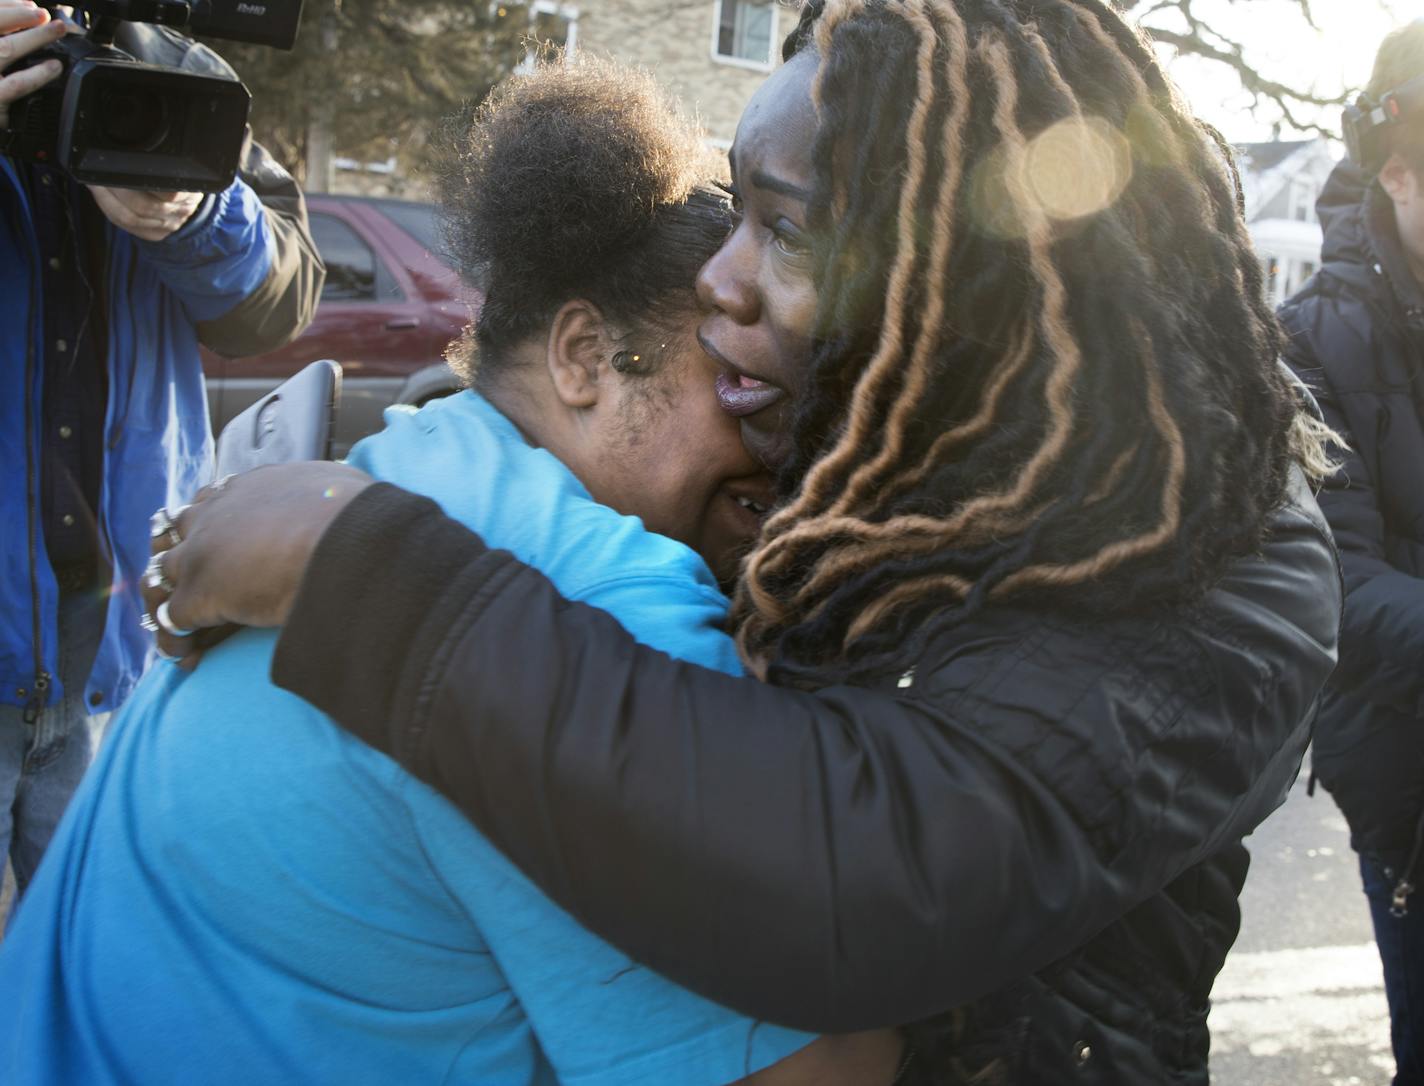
[[687, 450], [708, 440], [791, 310], [799, 318]]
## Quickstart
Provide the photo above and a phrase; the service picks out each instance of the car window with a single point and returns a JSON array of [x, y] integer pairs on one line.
[[420, 221], [353, 272]]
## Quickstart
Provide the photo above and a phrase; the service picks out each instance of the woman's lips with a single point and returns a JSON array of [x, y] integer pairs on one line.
[[740, 395]]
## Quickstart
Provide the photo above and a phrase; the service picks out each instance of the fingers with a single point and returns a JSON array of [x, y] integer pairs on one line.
[[163, 603], [238, 553], [20, 15], [170, 608], [15, 86], [155, 586], [164, 598], [22, 32], [151, 216], [127, 212], [24, 38]]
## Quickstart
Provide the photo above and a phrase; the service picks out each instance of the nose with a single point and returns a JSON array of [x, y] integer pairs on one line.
[[727, 284]]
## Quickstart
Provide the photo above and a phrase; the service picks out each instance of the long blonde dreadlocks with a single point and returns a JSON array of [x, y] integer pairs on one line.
[[1045, 367]]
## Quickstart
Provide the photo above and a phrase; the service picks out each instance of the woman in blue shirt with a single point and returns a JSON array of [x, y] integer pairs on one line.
[[240, 893]]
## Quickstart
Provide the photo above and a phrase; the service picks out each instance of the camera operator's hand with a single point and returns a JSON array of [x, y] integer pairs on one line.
[[25, 28], [151, 216]]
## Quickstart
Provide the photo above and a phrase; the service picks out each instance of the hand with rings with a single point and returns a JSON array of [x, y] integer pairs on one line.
[[157, 587], [236, 555]]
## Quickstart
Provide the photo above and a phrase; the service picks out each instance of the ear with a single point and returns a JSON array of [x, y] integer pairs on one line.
[[578, 352], [1399, 181]]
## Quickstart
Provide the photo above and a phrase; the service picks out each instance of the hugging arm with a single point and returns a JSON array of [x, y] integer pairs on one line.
[[833, 860]]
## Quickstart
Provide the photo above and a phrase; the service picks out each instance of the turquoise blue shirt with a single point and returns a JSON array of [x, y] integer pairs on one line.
[[242, 893]]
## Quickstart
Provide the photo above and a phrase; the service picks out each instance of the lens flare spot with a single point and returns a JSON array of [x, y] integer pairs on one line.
[[1073, 169], [994, 195], [1077, 167], [329, 492], [1151, 138]]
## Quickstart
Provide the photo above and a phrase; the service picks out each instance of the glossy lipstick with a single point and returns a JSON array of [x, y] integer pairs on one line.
[[739, 395]]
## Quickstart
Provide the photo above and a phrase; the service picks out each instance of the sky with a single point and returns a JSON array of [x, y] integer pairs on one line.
[[1283, 47]]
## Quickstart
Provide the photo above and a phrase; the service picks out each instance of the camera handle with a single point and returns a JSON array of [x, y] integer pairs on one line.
[[106, 15], [103, 29]]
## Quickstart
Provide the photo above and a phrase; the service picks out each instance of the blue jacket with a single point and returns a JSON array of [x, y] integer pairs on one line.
[[158, 447]]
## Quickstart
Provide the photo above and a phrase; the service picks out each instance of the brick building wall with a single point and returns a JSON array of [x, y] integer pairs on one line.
[[675, 40]]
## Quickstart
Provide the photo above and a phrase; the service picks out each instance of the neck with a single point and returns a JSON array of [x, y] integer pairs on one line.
[[524, 413], [512, 397]]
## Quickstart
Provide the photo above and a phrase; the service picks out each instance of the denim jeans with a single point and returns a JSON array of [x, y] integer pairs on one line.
[[41, 763], [1401, 947]]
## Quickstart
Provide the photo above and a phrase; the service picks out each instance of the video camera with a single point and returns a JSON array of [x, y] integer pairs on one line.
[[111, 119], [1367, 123]]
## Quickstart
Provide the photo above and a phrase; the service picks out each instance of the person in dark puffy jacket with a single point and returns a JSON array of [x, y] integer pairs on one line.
[[1357, 338], [1045, 609]]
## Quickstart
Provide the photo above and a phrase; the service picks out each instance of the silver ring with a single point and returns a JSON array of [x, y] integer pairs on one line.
[[161, 616], [161, 524], [146, 621], [154, 577]]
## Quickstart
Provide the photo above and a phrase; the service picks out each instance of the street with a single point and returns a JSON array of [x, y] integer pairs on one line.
[[1301, 1000]]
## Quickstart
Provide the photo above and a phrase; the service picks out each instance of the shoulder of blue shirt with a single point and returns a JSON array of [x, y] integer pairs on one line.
[[474, 462]]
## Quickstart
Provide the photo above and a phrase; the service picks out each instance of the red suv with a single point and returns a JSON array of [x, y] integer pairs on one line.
[[389, 308]]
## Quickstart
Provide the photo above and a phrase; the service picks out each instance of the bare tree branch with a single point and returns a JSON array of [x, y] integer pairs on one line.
[[1286, 99], [1179, 24]]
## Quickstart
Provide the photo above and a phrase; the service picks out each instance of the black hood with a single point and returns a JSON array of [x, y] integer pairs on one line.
[[1362, 247], [1342, 216]]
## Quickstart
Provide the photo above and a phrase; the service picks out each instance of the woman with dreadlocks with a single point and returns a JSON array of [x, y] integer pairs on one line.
[[1044, 610]]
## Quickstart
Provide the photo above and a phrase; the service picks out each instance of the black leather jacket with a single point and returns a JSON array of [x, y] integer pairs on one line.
[[1042, 823], [1357, 338]]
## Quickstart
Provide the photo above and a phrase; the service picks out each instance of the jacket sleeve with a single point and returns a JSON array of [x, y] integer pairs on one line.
[[834, 860], [245, 266], [1382, 633], [283, 304]]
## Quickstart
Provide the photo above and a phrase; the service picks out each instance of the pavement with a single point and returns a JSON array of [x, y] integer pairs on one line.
[[1301, 999]]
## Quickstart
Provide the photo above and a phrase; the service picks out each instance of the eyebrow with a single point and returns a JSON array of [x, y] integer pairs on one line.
[[763, 180]]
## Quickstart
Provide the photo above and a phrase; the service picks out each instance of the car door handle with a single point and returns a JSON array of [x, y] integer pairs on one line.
[[402, 323]]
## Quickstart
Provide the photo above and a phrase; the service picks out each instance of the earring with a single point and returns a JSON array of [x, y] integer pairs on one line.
[[625, 361]]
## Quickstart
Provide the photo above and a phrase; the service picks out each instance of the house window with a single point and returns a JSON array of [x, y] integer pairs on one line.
[[550, 24], [745, 33], [553, 24]]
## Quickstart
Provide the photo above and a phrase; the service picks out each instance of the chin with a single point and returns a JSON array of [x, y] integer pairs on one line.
[[726, 568], [725, 561], [772, 448]]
